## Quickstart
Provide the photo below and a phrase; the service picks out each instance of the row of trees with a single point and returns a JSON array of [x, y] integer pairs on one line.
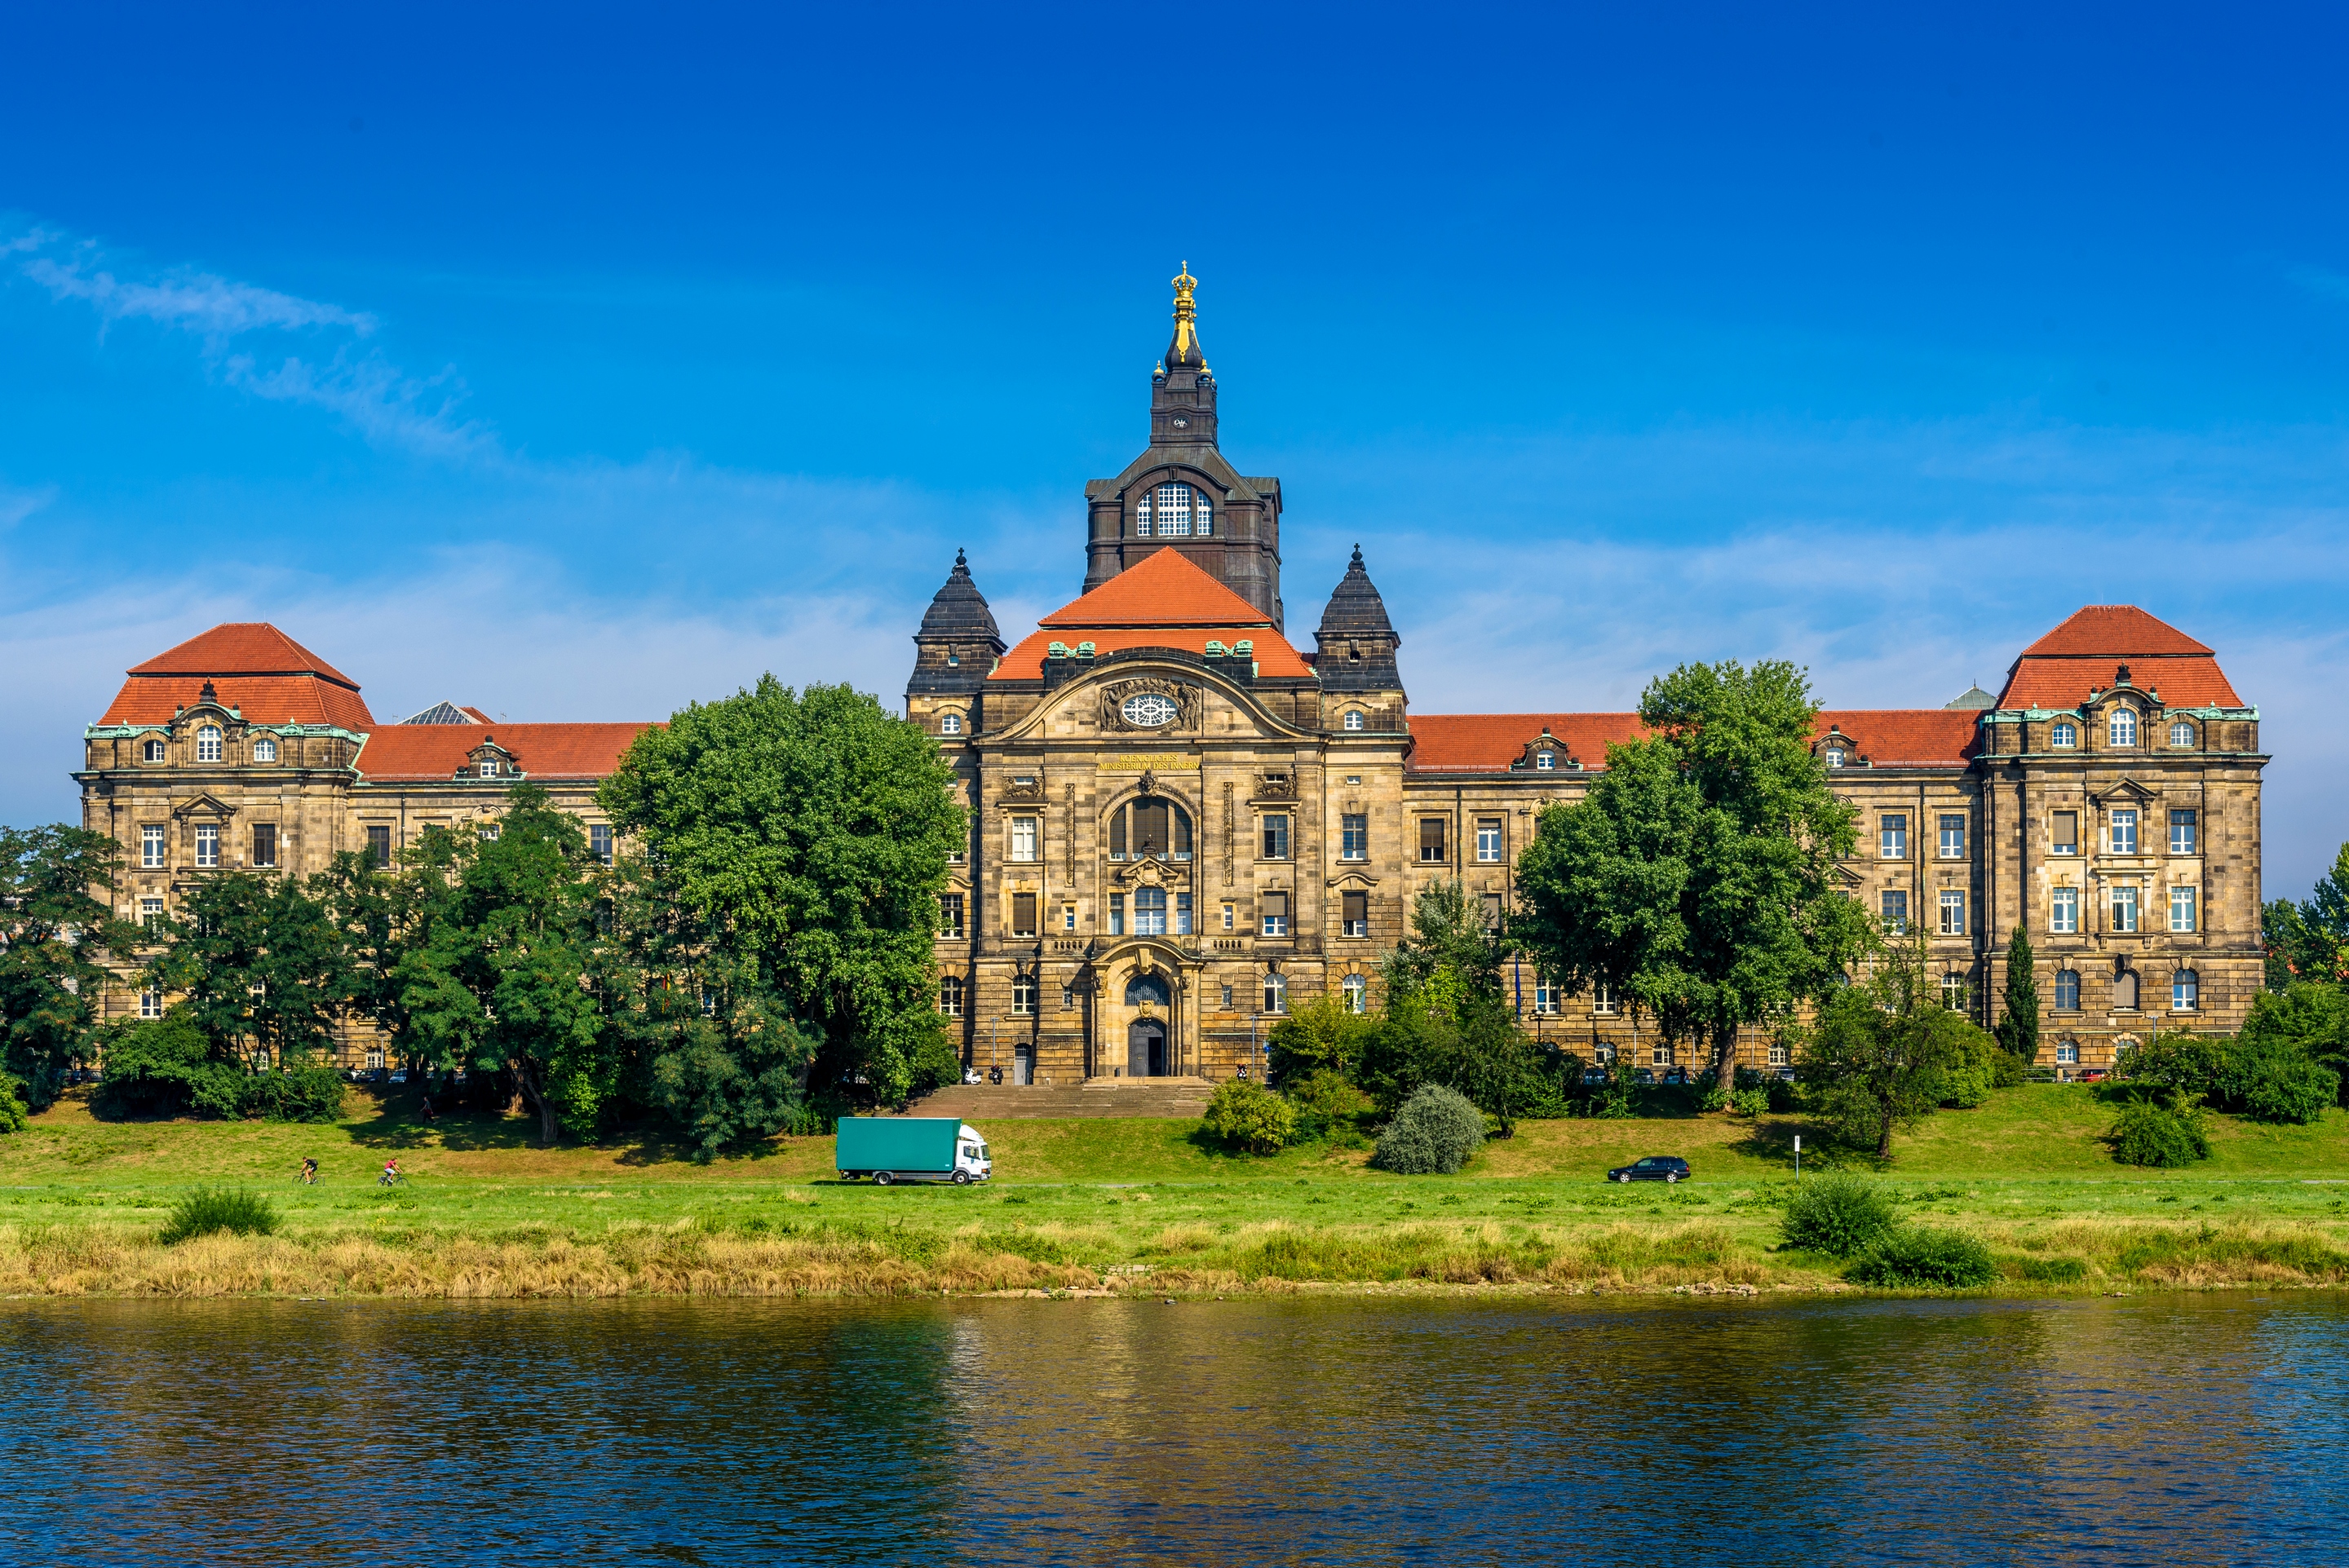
[[769, 951]]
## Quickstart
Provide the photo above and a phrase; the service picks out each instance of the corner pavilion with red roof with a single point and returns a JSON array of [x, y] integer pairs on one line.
[[1184, 822]]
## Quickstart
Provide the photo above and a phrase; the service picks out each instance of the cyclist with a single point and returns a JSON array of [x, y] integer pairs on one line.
[[310, 1172], [392, 1175]]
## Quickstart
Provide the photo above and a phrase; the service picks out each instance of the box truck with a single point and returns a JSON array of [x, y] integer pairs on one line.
[[912, 1149]]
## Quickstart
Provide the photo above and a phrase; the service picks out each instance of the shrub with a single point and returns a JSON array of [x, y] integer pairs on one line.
[[1434, 1130], [2049, 1271], [1838, 1215], [1328, 1106], [1250, 1118], [12, 1105], [2277, 1081], [206, 1211], [1925, 1256], [2157, 1135], [296, 1094], [1750, 1101], [937, 1064]]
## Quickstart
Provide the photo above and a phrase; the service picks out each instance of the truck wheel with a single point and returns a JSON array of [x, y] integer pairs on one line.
[[880, 1177], [962, 1178]]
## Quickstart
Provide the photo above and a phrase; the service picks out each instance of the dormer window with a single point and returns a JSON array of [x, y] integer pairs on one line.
[[2121, 729], [951, 723], [264, 749], [2062, 736], [1353, 718], [208, 744], [2181, 734], [1174, 511], [487, 766], [1545, 761], [151, 752], [1834, 756]]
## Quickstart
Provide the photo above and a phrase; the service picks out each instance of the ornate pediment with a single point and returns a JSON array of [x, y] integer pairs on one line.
[[1149, 702], [204, 805], [2126, 789]]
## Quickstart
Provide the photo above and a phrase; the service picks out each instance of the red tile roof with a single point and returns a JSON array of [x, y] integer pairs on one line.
[[255, 668], [1165, 602], [1492, 742], [2086, 653], [242, 648], [437, 751]]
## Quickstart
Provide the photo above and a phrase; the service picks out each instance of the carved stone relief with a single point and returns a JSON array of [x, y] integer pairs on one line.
[[1185, 698]]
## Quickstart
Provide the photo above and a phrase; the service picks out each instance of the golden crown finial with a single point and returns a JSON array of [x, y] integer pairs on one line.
[[1186, 346]]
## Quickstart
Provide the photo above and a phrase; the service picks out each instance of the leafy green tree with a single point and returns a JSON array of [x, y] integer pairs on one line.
[[55, 935], [259, 966], [2309, 1020], [1696, 879], [502, 943], [2310, 941], [2018, 1031], [810, 831], [1317, 1036], [1447, 1019], [2282, 935], [1881, 1053]]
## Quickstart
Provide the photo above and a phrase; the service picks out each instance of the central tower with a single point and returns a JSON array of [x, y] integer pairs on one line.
[[1180, 493]]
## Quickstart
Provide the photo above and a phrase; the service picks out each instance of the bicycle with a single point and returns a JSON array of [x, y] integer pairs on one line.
[[392, 1179], [307, 1175]]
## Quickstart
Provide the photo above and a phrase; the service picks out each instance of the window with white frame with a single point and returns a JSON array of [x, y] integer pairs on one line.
[[950, 724], [2181, 734], [151, 846], [951, 990], [2185, 991], [151, 1004], [2124, 832], [1488, 839], [487, 768], [375, 1059], [1354, 912], [1546, 762], [2063, 910], [265, 748], [1068, 917], [1273, 912], [1545, 997], [1023, 837], [151, 752], [1953, 993], [2121, 728], [2062, 734], [1276, 994], [1353, 718], [207, 843], [1150, 912], [2064, 832], [1023, 994], [1893, 905], [1182, 915], [1834, 756], [1602, 1000], [1165, 512], [1892, 837], [2181, 909], [2067, 1052], [1954, 836], [2124, 909], [1068, 998], [2182, 835], [1231, 917], [208, 744], [1117, 914], [951, 914], [2067, 990], [1356, 992], [151, 913], [599, 842], [1660, 1055], [1354, 836], [1953, 912], [1276, 836]]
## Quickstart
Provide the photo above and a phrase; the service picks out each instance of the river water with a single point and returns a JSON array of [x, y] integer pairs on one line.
[[2152, 1430]]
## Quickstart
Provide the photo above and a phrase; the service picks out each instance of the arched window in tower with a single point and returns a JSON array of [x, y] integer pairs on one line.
[[951, 723], [1353, 718], [1173, 511]]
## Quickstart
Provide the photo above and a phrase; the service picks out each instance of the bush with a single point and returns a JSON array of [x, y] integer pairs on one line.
[[12, 1105], [1328, 1106], [1838, 1215], [2049, 1271], [1250, 1118], [2277, 1081], [1750, 1101], [937, 1064], [295, 1094], [205, 1210], [2157, 1135], [1434, 1130], [1925, 1256]]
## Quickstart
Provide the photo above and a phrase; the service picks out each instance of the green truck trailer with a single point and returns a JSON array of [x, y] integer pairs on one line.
[[912, 1149]]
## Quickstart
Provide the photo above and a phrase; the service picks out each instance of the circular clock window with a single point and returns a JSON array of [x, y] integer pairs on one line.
[[1149, 710]]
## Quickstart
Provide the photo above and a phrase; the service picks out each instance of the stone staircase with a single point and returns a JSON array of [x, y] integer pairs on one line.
[[1166, 1097]]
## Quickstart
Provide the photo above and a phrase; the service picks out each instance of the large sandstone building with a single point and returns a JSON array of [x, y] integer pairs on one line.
[[1183, 821]]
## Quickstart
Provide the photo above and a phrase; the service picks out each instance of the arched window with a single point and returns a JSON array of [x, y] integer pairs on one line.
[[1150, 827], [2181, 734], [208, 744], [2061, 735], [1545, 761], [1353, 718], [950, 725], [1147, 988], [2067, 990], [2121, 728], [1834, 756], [1166, 512], [264, 749], [1276, 994], [1357, 992], [950, 996], [152, 751], [2185, 991]]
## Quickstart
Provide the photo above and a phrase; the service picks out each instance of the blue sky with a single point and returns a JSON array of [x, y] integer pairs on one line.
[[578, 362]]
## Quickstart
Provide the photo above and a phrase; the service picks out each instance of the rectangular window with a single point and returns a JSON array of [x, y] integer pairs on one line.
[[1488, 839], [1491, 911], [2067, 990], [1660, 1055], [264, 844], [1153, 831], [378, 838], [151, 1004], [1117, 834], [1953, 993], [2064, 912], [1068, 917], [375, 1059], [1954, 836], [1023, 837], [1182, 915], [1275, 838], [151, 913], [1354, 836], [1023, 994], [1068, 998], [1023, 914], [2181, 909], [1117, 914], [2067, 1054], [1895, 910], [1892, 838], [599, 842], [2182, 838], [1602, 1000], [2064, 833], [1953, 912], [1228, 998], [1431, 841], [2124, 909], [949, 915], [1354, 910], [1276, 915], [489, 767], [2124, 832], [1231, 917], [151, 847], [207, 843], [1150, 912], [1545, 997]]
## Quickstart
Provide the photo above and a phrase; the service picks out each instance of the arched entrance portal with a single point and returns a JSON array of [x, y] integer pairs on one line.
[[1145, 1037]]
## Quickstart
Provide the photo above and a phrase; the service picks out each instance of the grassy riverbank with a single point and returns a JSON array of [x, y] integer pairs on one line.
[[1136, 1206]]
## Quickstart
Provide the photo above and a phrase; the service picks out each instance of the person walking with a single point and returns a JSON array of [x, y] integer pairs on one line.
[[428, 1109]]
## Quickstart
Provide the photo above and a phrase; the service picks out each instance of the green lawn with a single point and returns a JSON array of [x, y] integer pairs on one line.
[[1081, 1202]]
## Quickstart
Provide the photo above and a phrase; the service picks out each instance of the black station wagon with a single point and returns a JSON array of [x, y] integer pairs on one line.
[[1654, 1167]]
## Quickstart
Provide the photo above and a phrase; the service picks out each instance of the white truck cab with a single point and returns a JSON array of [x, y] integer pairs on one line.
[[970, 1154]]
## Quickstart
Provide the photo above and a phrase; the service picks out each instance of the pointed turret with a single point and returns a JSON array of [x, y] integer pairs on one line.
[[1356, 642], [959, 643]]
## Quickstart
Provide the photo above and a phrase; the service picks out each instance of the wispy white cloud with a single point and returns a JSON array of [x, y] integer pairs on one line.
[[197, 301], [382, 403], [17, 504]]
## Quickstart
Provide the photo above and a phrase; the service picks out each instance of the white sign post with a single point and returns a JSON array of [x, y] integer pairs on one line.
[[1798, 1156]]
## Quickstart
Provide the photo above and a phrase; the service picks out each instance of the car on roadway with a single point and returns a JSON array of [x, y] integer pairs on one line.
[[1654, 1167]]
